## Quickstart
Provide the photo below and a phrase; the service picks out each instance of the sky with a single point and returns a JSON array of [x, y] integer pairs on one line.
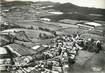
[[85, 3]]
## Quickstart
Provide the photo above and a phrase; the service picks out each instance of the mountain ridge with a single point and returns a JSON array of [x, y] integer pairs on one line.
[[69, 7]]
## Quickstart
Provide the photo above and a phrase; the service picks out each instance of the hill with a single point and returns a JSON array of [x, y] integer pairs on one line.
[[76, 12], [68, 7]]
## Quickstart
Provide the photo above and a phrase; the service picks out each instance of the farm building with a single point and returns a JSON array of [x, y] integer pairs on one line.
[[39, 48], [45, 19], [58, 13]]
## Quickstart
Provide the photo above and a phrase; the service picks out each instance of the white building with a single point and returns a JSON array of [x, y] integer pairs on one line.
[[56, 12], [45, 19], [36, 47]]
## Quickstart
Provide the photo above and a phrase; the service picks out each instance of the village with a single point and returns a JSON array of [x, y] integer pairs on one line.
[[57, 56]]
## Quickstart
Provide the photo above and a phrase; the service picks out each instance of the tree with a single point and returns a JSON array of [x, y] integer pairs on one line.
[[31, 27]]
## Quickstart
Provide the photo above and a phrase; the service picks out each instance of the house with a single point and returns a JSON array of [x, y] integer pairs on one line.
[[40, 48], [56, 12], [36, 47], [45, 19]]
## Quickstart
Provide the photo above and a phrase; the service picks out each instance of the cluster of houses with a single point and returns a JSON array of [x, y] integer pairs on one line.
[[54, 57]]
